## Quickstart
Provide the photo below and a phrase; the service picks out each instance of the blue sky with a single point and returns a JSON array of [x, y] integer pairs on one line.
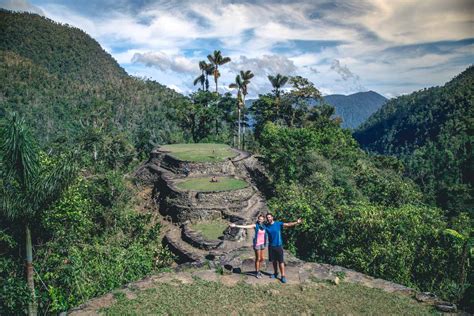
[[393, 47]]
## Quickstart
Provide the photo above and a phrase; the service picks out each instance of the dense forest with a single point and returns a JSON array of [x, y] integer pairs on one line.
[[431, 132], [83, 131]]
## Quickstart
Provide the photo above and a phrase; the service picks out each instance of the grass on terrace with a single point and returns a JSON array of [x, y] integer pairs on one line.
[[200, 152], [214, 298], [204, 184], [211, 230]]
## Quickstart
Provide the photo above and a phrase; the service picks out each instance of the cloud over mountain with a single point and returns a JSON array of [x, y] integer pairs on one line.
[[392, 47]]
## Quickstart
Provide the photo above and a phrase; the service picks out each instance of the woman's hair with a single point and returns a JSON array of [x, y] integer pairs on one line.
[[257, 223]]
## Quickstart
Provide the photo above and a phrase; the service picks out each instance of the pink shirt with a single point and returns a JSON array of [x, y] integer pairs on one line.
[[260, 237]]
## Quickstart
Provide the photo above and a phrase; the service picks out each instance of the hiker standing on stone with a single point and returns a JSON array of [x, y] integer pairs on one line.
[[260, 242], [275, 249]]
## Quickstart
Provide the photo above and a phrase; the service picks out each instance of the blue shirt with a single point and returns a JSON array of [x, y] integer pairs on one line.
[[274, 234]]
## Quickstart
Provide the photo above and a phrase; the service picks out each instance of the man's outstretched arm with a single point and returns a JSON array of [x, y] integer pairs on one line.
[[291, 224]]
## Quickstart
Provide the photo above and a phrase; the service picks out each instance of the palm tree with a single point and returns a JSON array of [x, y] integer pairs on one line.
[[241, 84], [217, 60], [208, 70], [27, 189], [201, 79], [245, 76], [203, 66], [277, 82]]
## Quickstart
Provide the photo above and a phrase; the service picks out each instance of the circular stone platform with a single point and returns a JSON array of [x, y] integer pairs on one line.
[[199, 152], [204, 184]]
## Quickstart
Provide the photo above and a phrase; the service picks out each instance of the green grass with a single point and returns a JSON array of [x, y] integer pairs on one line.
[[201, 297], [200, 152], [211, 230], [205, 185]]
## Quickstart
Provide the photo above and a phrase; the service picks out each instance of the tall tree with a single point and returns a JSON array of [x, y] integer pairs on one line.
[[242, 81], [203, 79], [277, 82], [246, 76], [238, 84], [216, 59], [208, 70], [28, 188], [200, 79]]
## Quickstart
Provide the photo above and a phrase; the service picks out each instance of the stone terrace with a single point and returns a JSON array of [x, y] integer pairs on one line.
[[181, 207]]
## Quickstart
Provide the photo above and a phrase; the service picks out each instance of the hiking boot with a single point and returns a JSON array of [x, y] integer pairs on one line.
[[283, 280], [259, 275]]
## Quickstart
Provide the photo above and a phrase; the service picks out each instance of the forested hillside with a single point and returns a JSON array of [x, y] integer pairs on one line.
[[355, 108], [67, 52], [431, 131], [84, 123], [70, 90], [74, 125]]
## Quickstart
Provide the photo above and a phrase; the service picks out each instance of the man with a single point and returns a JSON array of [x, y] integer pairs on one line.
[[275, 249]]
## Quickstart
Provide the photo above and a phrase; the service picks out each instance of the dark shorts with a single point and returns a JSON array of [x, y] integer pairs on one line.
[[275, 254]]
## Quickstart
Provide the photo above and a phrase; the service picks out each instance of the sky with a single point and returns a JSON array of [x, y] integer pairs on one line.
[[393, 47]]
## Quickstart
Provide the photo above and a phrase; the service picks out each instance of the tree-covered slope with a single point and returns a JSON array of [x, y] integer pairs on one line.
[[72, 92], [432, 132], [355, 108], [63, 50]]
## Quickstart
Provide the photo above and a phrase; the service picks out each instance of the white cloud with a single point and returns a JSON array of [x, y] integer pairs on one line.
[[165, 62], [172, 36], [265, 65], [20, 5]]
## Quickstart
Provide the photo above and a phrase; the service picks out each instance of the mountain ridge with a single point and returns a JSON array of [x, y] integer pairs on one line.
[[355, 108], [429, 131]]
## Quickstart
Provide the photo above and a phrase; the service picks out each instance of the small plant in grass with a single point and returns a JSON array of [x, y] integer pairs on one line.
[[118, 295], [341, 275], [219, 269]]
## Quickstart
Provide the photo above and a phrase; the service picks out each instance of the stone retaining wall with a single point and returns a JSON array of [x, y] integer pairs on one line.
[[196, 239], [225, 167]]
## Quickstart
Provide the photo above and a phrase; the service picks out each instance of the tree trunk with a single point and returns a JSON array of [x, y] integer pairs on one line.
[[238, 135], [29, 273], [462, 274], [243, 132]]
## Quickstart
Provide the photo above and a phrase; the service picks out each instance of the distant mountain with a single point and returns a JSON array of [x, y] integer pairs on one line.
[[432, 132], [68, 87], [355, 108]]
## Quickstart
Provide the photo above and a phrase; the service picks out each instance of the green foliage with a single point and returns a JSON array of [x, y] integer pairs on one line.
[[83, 59], [431, 132], [14, 292], [359, 211], [95, 243], [207, 117]]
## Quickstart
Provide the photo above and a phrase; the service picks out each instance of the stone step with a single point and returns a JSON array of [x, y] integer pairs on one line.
[[255, 205], [184, 251]]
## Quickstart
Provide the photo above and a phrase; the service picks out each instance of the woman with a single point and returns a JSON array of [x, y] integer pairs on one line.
[[260, 241]]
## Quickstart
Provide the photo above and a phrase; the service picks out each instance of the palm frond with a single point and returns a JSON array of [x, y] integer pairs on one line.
[[18, 151], [199, 79], [224, 60]]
